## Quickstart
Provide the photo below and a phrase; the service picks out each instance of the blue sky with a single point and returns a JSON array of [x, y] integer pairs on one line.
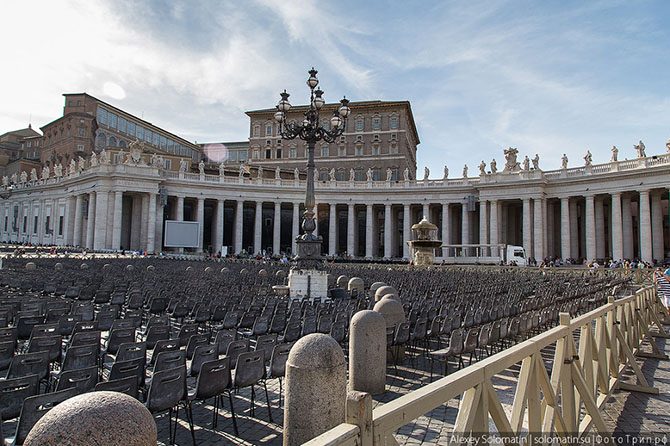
[[547, 77]]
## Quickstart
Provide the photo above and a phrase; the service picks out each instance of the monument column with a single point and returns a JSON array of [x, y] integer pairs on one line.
[[151, 224], [526, 230], [600, 228], [117, 220], [538, 230], [617, 229], [90, 221], [446, 227], [276, 229], [590, 228], [368, 230], [483, 227], [627, 224], [388, 239], [100, 220], [258, 227], [332, 230], [350, 230], [78, 207], [239, 212], [565, 228], [406, 227], [295, 225], [645, 227], [657, 227]]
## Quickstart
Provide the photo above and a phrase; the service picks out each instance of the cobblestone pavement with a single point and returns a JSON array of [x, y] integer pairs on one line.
[[625, 412]]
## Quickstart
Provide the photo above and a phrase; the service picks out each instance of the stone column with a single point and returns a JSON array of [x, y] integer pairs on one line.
[[78, 208], [574, 230], [388, 234], [218, 235], [527, 234], [136, 223], [295, 225], [332, 229], [493, 228], [483, 227], [239, 213], [91, 220], [368, 231], [200, 218], [465, 229], [627, 224], [426, 211], [617, 229], [657, 227], [538, 230], [160, 212], [600, 228], [276, 228], [180, 214], [549, 219], [144, 203], [151, 224], [406, 227], [565, 228], [446, 227], [69, 217], [590, 228], [258, 227], [350, 230], [100, 220], [117, 221], [645, 227]]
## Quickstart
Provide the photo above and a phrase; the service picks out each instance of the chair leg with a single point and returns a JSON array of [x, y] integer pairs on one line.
[[189, 415], [232, 410], [267, 398], [252, 406], [215, 418], [280, 393], [170, 425]]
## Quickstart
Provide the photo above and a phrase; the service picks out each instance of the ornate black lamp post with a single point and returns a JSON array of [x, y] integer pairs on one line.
[[309, 130]]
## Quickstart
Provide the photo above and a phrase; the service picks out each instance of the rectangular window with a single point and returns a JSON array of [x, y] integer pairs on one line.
[[375, 150], [102, 116], [257, 131], [342, 151], [360, 124], [35, 224], [359, 150], [148, 135], [112, 120], [393, 122], [279, 153], [170, 146], [123, 124], [163, 142], [325, 151], [268, 154], [25, 223], [47, 225], [268, 130], [60, 225], [131, 128], [81, 131], [168, 164], [80, 147], [293, 152], [29, 144], [376, 123], [117, 158], [139, 133], [243, 156], [156, 139]]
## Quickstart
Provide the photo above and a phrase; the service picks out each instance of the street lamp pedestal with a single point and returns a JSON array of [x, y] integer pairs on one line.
[[310, 283]]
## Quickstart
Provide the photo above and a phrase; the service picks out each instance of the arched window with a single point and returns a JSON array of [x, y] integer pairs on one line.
[[376, 122], [112, 141], [341, 174], [100, 140], [122, 143], [376, 174], [323, 175], [257, 131], [393, 121], [359, 124]]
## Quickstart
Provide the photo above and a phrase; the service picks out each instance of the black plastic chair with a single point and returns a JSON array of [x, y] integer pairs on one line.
[[126, 385], [84, 380], [34, 408], [13, 392], [235, 349], [277, 367], [213, 381], [164, 346], [249, 371], [7, 349], [202, 354], [29, 364], [166, 393]]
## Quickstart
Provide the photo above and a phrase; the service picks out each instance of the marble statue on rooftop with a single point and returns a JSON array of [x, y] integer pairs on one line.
[[588, 158], [368, 174], [536, 162], [81, 164], [121, 156], [564, 161], [331, 174], [24, 176], [45, 172], [465, 171], [14, 178], [405, 174], [426, 173], [201, 167], [73, 166], [494, 166], [182, 165], [104, 157], [446, 173], [33, 175], [511, 164], [615, 155], [352, 174], [296, 174], [277, 173], [58, 170], [526, 164], [94, 159], [5, 181], [641, 153], [259, 172], [222, 169], [482, 168], [242, 170], [389, 174]]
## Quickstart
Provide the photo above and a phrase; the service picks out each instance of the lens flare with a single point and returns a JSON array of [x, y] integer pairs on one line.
[[217, 153]]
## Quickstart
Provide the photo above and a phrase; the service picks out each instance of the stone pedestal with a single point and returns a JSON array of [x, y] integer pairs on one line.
[[367, 352], [308, 283]]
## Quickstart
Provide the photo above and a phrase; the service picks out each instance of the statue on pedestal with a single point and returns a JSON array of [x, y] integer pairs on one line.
[[277, 173], [331, 174], [526, 164], [465, 171], [121, 156], [494, 166], [511, 165], [640, 150], [536, 162], [352, 174], [58, 170], [615, 155], [259, 172], [296, 174], [201, 167], [33, 175], [446, 173], [564, 161], [14, 178], [45, 172], [104, 157], [183, 165], [82, 164], [426, 173], [389, 174], [482, 168], [24, 176], [405, 174], [94, 159], [5, 181], [73, 166], [368, 174], [222, 169], [588, 158]]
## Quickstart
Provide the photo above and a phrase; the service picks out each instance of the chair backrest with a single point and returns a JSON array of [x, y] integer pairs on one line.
[[84, 380], [51, 343], [35, 407], [13, 392], [80, 357], [213, 379], [157, 333], [44, 330], [195, 341], [185, 333], [250, 368], [119, 336], [26, 324], [292, 332], [236, 348], [9, 334], [202, 354], [169, 359], [66, 324], [126, 385], [167, 389], [83, 326], [164, 346], [266, 343], [29, 364], [278, 360], [131, 367], [6, 353], [223, 339], [338, 331], [402, 333], [132, 350], [456, 341]]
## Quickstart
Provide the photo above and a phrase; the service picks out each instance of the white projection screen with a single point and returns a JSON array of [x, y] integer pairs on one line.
[[181, 234]]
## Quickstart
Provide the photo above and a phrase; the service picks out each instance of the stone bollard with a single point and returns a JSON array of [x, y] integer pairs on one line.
[[394, 314], [316, 388], [375, 286], [109, 418], [58, 266], [367, 352], [31, 266], [342, 282], [383, 291], [356, 283]]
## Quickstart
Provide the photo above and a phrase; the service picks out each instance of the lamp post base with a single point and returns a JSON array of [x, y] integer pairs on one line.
[[309, 253]]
